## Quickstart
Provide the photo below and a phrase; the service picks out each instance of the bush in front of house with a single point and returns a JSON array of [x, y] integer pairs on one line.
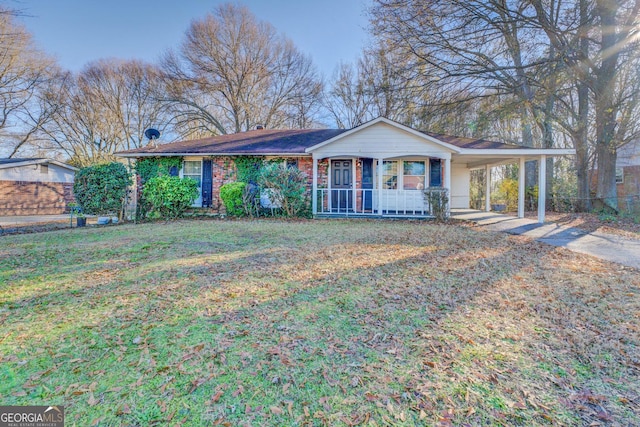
[[286, 187], [150, 167], [231, 194], [101, 189], [437, 201], [170, 196]]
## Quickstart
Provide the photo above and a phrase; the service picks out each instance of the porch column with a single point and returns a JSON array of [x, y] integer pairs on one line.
[[447, 183], [314, 187], [380, 186], [542, 186], [521, 188], [487, 190], [354, 188]]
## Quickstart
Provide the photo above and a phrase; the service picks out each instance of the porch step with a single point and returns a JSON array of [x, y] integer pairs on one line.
[[364, 216]]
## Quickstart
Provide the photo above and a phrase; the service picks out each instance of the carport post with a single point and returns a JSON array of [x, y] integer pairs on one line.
[[487, 192], [542, 185], [314, 187], [521, 188], [380, 170], [447, 182]]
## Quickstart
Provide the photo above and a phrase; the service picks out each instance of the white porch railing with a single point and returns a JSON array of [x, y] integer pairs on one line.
[[345, 202]]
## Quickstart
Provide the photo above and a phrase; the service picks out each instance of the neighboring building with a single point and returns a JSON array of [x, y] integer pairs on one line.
[[35, 186], [375, 169], [628, 175]]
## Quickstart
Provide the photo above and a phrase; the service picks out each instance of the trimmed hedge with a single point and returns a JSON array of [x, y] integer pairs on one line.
[[232, 197], [101, 189], [170, 196]]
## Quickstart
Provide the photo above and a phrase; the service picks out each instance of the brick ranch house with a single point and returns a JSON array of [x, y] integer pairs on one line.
[[376, 169], [35, 186]]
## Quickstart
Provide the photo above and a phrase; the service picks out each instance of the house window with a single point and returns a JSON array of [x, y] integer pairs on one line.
[[389, 175], [291, 163], [619, 176], [193, 170], [414, 174], [44, 169]]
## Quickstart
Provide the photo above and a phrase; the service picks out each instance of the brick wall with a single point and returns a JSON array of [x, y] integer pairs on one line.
[[223, 171], [34, 198], [305, 164]]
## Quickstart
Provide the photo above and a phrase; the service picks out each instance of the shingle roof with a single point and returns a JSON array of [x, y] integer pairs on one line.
[[474, 143], [281, 142], [16, 160], [258, 142]]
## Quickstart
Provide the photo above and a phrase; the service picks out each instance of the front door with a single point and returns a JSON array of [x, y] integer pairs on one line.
[[341, 186]]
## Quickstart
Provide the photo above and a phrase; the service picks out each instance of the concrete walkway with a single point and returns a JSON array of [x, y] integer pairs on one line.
[[610, 247]]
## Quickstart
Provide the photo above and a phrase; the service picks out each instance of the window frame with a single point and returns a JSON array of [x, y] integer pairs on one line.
[[386, 177], [421, 184]]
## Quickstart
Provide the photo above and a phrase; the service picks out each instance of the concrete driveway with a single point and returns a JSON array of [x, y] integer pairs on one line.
[[610, 247], [10, 224], [22, 220]]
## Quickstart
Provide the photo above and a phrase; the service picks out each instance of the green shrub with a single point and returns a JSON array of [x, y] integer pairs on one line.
[[101, 189], [150, 167], [232, 197], [248, 168], [437, 201], [286, 187], [170, 196]]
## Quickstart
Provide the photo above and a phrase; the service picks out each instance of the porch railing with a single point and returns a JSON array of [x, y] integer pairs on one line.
[[345, 202]]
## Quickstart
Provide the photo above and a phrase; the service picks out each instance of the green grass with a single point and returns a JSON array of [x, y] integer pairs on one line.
[[315, 323]]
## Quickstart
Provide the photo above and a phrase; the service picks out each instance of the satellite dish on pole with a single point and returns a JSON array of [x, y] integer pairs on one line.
[[152, 134]]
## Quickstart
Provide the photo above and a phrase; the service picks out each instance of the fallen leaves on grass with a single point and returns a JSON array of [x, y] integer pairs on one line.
[[334, 323]]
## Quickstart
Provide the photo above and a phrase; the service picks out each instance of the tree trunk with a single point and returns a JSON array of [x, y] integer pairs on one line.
[[605, 106]]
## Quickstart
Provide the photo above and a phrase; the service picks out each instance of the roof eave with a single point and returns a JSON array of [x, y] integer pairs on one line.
[[188, 154], [518, 151], [38, 162]]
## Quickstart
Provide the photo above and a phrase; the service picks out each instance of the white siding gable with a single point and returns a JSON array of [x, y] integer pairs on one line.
[[382, 140]]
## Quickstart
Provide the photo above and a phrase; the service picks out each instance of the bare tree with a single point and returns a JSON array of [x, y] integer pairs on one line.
[[233, 72], [347, 101], [475, 47], [383, 82], [103, 109], [23, 71], [598, 43], [557, 63]]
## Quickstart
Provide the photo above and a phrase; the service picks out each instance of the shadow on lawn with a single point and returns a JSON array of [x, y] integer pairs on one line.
[[442, 280]]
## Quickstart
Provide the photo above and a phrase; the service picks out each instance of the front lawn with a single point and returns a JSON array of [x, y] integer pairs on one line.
[[336, 323]]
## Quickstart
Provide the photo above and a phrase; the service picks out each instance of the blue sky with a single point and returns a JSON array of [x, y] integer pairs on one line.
[[79, 31]]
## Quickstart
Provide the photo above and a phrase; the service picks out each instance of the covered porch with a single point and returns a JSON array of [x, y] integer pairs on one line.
[[377, 187], [381, 168]]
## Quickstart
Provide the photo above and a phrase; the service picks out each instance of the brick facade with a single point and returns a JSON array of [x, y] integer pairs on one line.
[[223, 171], [34, 198]]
